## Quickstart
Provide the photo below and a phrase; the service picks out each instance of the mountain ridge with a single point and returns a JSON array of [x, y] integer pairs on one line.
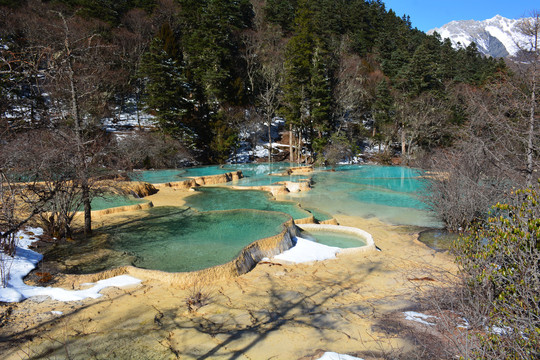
[[496, 37]]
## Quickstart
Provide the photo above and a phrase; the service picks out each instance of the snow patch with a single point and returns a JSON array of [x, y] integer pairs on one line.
[[353, 160], [308, 251], [465, 324], [258, 133], [25, 260], [336, 356], [501, 330], [506, 31], [418, 317]]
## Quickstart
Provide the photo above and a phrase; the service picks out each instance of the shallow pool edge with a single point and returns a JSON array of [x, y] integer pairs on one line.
[[370, 243], [245, 261]]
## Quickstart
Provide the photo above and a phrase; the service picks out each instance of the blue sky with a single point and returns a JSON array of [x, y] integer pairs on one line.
[[428, 14]]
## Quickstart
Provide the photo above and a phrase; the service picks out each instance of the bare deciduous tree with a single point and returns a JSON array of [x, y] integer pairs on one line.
[[263, 54], [77, 79], [351, 92], [422, 121], [530, 27], [489, 154]]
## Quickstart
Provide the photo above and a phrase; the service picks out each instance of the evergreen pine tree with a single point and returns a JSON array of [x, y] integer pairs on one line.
[[298, 63], [320, 92], [382, 110], [167, 93], [211, 47], [421, 74], [447, 61], [281, 12]]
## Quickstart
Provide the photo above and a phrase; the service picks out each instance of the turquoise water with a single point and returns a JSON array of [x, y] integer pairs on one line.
[[205, 171], [259, 174], [438, 239], [261, 168], [388, 193], [332, 238], [113, 200], [157, 176], [254, 174], [214, 198], [171, 175], [262, 180], [178, 239], [174, 239]]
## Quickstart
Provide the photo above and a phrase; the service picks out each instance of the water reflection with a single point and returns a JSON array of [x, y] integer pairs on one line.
[[438, 239]]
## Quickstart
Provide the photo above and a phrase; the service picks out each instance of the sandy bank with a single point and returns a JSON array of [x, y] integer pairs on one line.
[[275, 311]]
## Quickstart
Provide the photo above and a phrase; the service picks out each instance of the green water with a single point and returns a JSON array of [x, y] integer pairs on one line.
[[319, 215], [388, 193], [259, 174], [214, 198], [254, 174], [110, 201], [174, 239], [172, 175], [332, 238], [178, 239], [438, 239], [262, 180]]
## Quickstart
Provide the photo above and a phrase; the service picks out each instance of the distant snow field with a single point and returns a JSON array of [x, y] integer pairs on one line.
[[497, 37]]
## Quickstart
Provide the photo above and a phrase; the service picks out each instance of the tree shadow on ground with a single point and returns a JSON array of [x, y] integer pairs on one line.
[[242, 325], [247, 316], [22, 341]]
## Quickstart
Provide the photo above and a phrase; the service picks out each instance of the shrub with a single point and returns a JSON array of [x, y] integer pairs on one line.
[[500, 261]]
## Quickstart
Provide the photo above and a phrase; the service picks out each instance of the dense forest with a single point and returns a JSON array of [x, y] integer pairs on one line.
[[340, 74], [343, 76]]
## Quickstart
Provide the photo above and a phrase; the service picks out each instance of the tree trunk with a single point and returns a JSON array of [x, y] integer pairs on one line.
[[269, 140], [403, 146], [291, 153], [87, 210], [78, 134], [530, 140], [299, 147], [530, 137]]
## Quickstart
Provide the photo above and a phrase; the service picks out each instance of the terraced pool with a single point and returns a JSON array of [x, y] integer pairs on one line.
[[218, 221], [173, 239]]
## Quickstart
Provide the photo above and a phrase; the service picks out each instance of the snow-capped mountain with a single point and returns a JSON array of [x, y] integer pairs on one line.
[[497, 37]]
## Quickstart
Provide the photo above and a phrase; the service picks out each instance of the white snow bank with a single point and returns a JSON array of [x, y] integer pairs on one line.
[[370, 244], [418, 317], [308, 251], [25, 260], [260, 151], [354, 160], [336, 356], [500, 330]]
